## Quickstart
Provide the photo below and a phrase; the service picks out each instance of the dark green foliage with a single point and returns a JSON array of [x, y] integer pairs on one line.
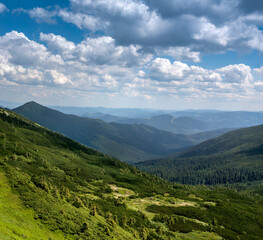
[[177, 223], [69, 188], [235, 157]]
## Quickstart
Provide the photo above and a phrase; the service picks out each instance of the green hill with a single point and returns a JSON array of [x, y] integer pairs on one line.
[[235, 157], [131, 143], [52, 187]]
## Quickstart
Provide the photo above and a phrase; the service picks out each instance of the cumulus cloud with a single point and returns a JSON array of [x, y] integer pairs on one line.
[[178, 75], [94, 65], [19, 50], [130, 22], [179, 53], [181, 29], [58, 78], [209, 32], [100, 66], [97, 51], [236, 74], [42, 15], [83, 21], [163, 69], [138, 48], [259, 71], [11, 73], [25, 61], [58, 43], [201, 26]]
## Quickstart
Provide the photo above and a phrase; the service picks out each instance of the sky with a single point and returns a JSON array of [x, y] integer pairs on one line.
[[165, 54]]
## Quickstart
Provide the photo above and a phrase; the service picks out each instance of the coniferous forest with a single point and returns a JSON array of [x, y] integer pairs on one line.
[[234, 158]]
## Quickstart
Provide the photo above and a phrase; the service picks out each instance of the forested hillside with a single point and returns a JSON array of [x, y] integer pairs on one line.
[[235, 157], [63, 190]]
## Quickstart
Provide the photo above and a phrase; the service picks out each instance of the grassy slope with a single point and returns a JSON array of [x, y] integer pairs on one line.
[[235, 157], [17, 222], [69, 191]]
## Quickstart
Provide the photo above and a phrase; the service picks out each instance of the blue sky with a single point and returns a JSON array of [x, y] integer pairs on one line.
[[167, 54]]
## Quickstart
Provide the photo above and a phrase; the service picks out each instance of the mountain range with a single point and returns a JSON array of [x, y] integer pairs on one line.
[[180, 125], [52, 187], [128, 142], [117, 112], [188, 122]]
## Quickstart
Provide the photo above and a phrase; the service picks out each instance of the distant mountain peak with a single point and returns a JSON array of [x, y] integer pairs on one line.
[[31, 105]]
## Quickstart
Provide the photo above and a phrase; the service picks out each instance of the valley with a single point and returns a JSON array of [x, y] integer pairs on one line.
[[128, 142], [73, 192]]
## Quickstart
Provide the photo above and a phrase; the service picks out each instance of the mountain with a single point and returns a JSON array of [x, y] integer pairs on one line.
[[179, 122], [235, 157], [183, 125], [221, 119], [131, 143], [204, 136], [118, 112], [166, 122], [52, 187], [191, 122], [202, 120], [104, 117]]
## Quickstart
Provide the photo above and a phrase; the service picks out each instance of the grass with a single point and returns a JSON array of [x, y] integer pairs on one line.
[[16, 221]]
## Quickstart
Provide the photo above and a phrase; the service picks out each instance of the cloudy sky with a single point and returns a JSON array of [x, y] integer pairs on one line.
[[169, 54]]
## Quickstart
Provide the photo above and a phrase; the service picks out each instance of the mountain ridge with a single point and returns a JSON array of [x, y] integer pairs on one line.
[[63, 190], [139, 141]]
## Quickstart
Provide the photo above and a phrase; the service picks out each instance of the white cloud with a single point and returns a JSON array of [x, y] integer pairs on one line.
[[19, 50], [99, 66], [206, 26], [83, 21], [179, 77], [97, 51], [57, 42], [11, 74], [113, 7], [126, 20], [163, 69], [209, 32], [236, 74], [182, 30], [42, 15], [179, 53], [58, 78], [259, 71], [24, 61], [259, 86]]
